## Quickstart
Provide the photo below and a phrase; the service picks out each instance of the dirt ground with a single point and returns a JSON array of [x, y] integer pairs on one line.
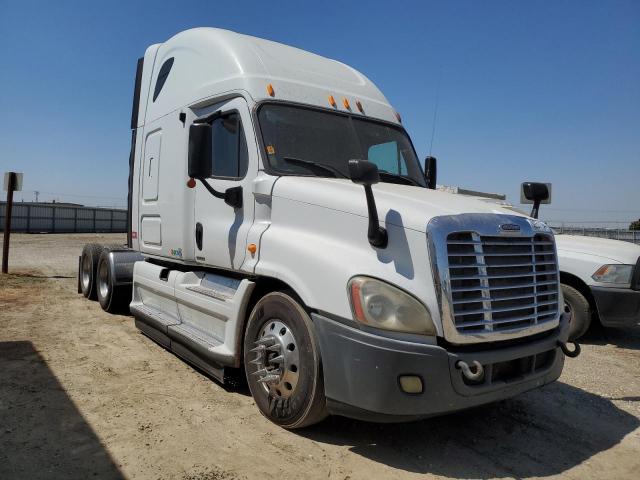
[[84, 395]]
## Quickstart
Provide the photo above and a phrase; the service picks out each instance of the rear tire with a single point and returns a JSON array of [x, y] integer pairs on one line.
[[293, 394], [577, 306], [88, 269], [111, 297]]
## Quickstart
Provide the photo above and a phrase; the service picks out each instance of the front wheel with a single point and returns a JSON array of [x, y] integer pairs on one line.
[[577, 308], [282, 362]]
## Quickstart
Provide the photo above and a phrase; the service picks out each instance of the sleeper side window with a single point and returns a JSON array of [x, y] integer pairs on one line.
[[162, 77], [230, 154]]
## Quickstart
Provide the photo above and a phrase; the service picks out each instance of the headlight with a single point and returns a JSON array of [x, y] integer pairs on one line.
[[381, 305], [615, 273]]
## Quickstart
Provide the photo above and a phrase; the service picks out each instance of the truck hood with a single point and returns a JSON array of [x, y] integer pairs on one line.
[[415, 205], [623, 252]]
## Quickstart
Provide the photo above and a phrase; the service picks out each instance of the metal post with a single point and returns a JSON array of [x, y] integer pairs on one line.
[[7, 222], [53, 219], [111, 223], [75, 220], [28, 218], [94, 220]]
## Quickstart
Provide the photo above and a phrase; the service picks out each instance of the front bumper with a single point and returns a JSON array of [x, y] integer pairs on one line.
[[361, 372], [617, 307]]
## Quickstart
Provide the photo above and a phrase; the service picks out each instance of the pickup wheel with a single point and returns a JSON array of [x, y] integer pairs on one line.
[[576, 306], [282, 362], [88, 269]]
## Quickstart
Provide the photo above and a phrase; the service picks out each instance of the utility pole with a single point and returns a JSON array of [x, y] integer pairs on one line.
[[37, 193], [12, 182]]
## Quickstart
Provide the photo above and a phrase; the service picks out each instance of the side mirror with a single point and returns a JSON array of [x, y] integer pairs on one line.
[[201, 161], [535, 193], [365, 173], [200, 151], [431, 171]]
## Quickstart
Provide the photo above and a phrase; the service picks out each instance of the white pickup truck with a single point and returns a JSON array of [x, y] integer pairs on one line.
[[600, 280], [281, 223], [600, 277]]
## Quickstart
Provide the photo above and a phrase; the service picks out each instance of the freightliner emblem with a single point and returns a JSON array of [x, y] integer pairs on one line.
[[509, 227]]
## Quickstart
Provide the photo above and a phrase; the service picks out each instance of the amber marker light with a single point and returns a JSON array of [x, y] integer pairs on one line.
[[191, 183], [252, 247], [357, 302], [345, 102], [271, 91], [359, 105], [332, 101]]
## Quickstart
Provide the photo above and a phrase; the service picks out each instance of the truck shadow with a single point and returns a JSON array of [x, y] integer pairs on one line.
[[398, 251], [628, 337], [538, 434], [43, 435]]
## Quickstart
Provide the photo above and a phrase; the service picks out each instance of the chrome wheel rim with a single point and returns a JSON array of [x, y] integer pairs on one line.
[[103, 279], [277, 359], [85, 276]]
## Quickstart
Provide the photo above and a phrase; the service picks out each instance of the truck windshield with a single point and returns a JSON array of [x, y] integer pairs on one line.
[[305, 141]]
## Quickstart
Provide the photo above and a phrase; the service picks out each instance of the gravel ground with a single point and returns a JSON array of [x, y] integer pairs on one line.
[[84, 394]]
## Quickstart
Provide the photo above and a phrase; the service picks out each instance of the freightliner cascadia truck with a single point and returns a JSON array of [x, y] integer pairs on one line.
[[282, 225]]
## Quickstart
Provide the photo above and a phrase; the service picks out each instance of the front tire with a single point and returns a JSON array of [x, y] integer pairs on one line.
[[579, 311], [282, 362]]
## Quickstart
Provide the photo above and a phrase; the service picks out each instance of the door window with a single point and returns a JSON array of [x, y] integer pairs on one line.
[[388, 157], [230, 154]]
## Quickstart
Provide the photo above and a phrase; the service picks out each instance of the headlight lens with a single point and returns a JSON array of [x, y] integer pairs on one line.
[[614, 273], [381, 305]]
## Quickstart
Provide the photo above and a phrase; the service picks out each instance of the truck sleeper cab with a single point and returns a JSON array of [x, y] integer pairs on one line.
[[285, 225]]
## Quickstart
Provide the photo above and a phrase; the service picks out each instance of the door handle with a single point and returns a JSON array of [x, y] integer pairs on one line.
[[199, 235]]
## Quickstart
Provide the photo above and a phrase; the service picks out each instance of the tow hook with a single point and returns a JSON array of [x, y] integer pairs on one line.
[[466, 370], [570, 353]]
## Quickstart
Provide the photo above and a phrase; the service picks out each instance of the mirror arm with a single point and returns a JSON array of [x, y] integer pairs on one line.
[[534, 210], [210, 189], [231, 196], [377, 235]]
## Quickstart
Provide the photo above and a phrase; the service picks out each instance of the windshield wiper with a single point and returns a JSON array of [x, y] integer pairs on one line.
[[327, 168], [402, 178]]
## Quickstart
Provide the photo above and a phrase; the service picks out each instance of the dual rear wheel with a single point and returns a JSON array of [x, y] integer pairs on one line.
[[88, 269], [96, 279]]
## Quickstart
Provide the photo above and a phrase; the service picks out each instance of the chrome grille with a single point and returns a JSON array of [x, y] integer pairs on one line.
[[501, 283]]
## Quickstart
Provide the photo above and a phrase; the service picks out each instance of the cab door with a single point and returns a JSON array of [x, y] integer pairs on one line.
[[220, 229]]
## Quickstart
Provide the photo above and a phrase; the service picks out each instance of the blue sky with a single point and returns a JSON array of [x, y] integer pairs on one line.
[[546, 91]]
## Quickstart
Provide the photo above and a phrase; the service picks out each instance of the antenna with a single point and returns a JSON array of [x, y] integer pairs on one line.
[[435, 111]]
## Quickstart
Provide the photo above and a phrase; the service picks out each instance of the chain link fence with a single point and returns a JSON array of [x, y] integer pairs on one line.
[[612, 233], [52, 218]]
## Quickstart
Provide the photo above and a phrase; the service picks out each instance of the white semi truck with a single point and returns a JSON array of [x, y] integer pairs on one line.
[[282, 224]]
